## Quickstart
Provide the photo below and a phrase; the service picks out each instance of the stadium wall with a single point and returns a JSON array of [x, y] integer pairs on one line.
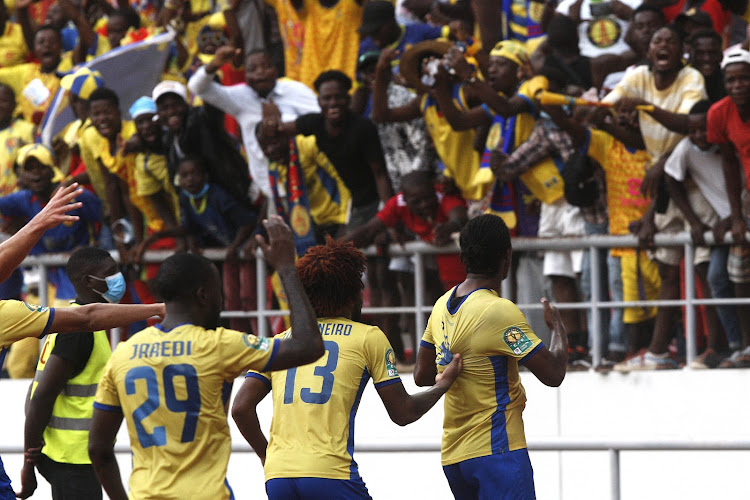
[[676, 405]]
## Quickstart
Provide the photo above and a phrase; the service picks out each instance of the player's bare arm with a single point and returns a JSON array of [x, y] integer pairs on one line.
[[405, 408], [104, 427], [93, 317], [305, 344], [550, 364], [245, 414]]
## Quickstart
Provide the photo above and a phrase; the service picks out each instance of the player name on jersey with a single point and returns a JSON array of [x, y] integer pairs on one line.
[[334, 329], [164, 349]]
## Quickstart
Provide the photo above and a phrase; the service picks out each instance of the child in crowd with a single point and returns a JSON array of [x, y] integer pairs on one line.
[[211, 217]]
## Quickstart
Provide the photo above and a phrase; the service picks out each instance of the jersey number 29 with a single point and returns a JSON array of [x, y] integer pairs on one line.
[[325, 371], [191, 406]]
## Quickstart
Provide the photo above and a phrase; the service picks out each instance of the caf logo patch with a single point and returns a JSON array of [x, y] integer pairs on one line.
[[517, 340]]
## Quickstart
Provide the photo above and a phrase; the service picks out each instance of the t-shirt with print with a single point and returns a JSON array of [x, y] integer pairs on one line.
[[687, 89]]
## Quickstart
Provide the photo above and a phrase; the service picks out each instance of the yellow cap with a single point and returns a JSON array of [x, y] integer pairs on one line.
[[511, 49], [41, 153], [82, 82]]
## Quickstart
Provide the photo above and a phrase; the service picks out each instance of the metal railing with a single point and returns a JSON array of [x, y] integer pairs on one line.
[[612, 447], [419, 249]]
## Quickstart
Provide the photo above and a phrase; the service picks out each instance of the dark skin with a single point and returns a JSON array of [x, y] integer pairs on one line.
[[403, 408], [665, 57], [705, 55], [334, 99], [57, 372], [203, 309], [7, 105], [548, 365], [642, 27], [423, 202], [48, 48], [173, 111]]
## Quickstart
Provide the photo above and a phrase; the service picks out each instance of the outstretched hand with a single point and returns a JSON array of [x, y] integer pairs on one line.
[[56, 211], [280, 251]]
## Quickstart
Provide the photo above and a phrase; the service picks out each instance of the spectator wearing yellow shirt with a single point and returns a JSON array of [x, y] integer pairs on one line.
[[14, 133], [13, 48], [319, 35], [150, 188], [100, 150], [36, 83]]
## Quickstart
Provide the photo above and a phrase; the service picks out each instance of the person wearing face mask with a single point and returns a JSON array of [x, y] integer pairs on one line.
[[61, 397]]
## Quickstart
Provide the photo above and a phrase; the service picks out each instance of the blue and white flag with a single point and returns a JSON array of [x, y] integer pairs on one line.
[[131, 71]]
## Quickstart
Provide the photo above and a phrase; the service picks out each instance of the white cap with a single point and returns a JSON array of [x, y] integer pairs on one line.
[[169, 87], [735, 56]]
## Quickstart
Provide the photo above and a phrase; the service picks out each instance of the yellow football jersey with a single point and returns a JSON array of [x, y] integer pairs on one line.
[[483, 407], [21, 320], [312, 432], [173, 388]]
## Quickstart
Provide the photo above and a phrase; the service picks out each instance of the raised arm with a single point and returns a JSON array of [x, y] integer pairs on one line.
[[550, 364], [202, 82], [405, 408], [381, 113], [245, 413], [93, 317], [14, 250], [305, 344], [457, 118]]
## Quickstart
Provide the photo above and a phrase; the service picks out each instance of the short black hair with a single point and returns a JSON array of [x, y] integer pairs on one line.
[[83, 262], [700, 107], [181, 275], [130, 15], [9, 89], [484, 242], [105, 94], [705, 33], [47, 27], [258, 50], [418, 178], [196, 160], [333, 75], [648, 8]]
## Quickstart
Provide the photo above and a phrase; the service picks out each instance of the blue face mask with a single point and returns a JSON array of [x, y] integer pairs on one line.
[[200, 194], [115, 287]]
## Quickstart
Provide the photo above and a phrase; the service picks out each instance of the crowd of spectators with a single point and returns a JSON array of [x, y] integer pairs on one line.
[[384, 123]]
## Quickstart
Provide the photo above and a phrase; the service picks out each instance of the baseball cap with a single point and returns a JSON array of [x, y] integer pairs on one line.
[[41, 153], [143, 105], [369, 57], [735, 56], [169, 87], [82, 82], [375, 14]]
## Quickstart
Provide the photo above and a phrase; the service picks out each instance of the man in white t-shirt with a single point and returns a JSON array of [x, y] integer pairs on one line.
[[603, 24]]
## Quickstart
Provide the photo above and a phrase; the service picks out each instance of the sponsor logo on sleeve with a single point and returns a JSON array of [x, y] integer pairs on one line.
[[518, 342], [34, 308], [257, 343], [390, 363]]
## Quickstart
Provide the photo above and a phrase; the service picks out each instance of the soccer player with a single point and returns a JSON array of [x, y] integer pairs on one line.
[[172, 382], [19, 320], [60, 406], [484, 449], [310, 453]]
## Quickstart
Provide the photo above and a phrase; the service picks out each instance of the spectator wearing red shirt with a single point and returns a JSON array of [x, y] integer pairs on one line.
[[728, 125], [428, 213]]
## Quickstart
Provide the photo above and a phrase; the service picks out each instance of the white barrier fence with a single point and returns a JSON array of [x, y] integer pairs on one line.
[[419, 249]]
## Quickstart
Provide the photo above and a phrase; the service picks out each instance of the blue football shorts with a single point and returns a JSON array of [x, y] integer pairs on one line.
[[507, 476], [316, 488]]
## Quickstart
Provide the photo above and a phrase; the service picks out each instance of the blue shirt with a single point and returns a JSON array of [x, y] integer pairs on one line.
[[217, 223], [66, 236], [63, 238]]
